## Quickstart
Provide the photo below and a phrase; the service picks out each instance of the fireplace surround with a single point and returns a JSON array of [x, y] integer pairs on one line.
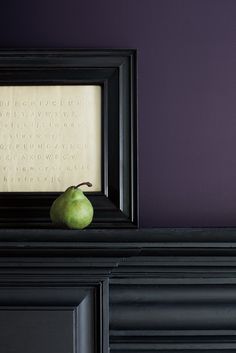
[[146, 290]]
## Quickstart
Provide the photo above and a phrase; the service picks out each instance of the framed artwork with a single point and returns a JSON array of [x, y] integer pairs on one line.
[[68, 116]]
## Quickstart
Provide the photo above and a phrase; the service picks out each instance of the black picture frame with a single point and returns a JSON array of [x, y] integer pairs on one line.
[[116, 206]]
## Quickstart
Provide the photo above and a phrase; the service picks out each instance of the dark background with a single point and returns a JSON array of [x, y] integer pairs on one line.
[[187, 92]]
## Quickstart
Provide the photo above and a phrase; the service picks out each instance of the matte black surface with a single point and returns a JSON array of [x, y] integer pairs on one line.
[[170, 290], [38, 331], [46, 309], [115, 70]]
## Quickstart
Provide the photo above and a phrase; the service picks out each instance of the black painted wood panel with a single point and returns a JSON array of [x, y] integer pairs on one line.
[[159, 290], [52, 307], [47, 319], [38, 330]]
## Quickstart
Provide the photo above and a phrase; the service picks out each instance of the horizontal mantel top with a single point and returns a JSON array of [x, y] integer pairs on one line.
[[133, 236], [152, 242]]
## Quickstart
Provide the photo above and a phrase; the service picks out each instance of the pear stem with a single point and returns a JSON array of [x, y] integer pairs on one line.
[[85, 183]]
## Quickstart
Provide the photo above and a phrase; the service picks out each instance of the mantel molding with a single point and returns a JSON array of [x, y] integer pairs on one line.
[[165, 290], [125, 243]]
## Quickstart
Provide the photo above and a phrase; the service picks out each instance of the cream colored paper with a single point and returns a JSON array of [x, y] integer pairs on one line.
[[50, 137]]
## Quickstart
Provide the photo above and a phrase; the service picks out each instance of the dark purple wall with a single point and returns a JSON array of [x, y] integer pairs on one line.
[[187, 92]]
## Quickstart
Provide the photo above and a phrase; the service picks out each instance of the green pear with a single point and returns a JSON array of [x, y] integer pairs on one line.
[[72, 208]]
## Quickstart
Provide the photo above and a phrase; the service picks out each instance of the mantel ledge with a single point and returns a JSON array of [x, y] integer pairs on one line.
[[121, 242]]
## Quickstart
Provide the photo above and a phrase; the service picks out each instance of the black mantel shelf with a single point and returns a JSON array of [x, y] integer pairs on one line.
[[131, 291], [152, 241]]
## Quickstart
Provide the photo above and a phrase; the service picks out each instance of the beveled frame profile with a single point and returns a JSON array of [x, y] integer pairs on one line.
[[116, 206]]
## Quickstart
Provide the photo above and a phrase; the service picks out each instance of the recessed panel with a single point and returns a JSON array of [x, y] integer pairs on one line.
[[37, 331]]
